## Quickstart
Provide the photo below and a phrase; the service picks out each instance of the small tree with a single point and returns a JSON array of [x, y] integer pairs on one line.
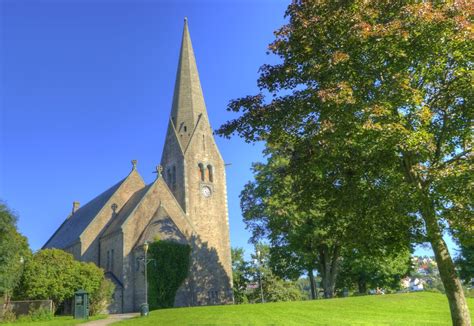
[[240, 275], [274, 287], [14, 250]]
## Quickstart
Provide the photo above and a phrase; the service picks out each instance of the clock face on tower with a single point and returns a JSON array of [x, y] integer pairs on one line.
[[206, 191]]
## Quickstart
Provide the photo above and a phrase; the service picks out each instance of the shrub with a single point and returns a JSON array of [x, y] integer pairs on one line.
[[40, 314], [54, 274], [8, 316], [101, 297]]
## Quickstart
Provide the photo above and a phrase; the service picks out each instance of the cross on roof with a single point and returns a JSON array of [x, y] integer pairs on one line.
[[158, 171]]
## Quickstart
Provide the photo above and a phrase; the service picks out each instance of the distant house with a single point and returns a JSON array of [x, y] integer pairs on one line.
[[416, 284], [413, 284]]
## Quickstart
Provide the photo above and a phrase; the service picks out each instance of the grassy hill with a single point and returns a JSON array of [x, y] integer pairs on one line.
[[395, 309]]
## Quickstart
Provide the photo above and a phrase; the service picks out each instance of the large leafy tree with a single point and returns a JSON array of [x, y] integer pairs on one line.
[[309, 225], [14, 250], [383, 87]]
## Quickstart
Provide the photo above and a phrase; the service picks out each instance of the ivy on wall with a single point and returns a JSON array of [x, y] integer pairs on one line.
[[167, 272]]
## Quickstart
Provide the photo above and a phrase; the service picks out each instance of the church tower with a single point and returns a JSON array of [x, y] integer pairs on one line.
[[194, 170]]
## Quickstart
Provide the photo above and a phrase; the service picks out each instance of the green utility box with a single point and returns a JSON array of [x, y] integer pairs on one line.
[[81, 305]]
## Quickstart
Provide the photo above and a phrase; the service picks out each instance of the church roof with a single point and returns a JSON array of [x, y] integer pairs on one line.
[[71, 229], [159, 194], [126, 210]]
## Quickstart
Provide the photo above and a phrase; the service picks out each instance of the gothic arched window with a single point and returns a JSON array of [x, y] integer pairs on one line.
[[201, 171], [211, 173]]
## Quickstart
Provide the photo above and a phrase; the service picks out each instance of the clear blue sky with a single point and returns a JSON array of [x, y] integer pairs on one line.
[[86, 86]]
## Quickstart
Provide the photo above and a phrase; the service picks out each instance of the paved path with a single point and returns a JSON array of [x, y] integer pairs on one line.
[[111, 319]]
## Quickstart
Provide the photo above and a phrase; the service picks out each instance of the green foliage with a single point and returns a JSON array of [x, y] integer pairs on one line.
[[54, 274], [258, 270], [167, 272], [240, 275], [309, 225], [274, 287], [9, 316], [465, 262], [370, 272], [41, 314], [50, 274], [377, 96], [14, 250], [101, 297]]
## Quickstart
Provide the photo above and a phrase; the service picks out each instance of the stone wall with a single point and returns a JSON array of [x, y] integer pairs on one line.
[[90, 236]]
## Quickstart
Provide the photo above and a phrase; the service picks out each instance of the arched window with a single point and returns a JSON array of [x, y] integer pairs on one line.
[[211, 173], [168, 175], [201, 171]]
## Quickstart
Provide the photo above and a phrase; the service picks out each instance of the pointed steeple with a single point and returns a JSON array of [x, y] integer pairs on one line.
[[188, 101]]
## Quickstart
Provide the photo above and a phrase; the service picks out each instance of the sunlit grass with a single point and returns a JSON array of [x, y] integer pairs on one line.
[[395, 309]]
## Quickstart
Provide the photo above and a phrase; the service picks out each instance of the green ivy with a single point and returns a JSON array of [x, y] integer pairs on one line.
[[167, 272]]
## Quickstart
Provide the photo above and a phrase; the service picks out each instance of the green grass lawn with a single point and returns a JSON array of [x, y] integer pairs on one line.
[[394, 309], [57, 321]]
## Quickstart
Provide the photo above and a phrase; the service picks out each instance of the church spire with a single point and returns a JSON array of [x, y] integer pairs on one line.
[[188, 101]]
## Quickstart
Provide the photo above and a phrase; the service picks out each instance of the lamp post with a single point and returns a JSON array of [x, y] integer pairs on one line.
[[145, 249], [144, 309]]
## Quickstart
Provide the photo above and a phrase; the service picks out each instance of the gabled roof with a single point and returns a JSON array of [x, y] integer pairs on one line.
[[161, 194], [72, 228], [127, 209]]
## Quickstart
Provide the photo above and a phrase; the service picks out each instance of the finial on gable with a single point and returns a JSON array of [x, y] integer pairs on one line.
[[158, 171], [134, 164], [185, 20]]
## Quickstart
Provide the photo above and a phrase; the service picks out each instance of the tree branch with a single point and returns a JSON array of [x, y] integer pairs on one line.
[[453, 159]]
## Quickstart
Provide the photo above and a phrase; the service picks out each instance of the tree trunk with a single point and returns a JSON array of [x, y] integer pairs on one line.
[[329, 258], [362, 284], [312, 283], [457, 302]]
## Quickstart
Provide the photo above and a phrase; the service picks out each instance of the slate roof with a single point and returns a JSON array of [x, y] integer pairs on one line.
[[71, 229]]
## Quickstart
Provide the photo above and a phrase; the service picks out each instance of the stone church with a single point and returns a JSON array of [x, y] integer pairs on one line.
[[186, 203]]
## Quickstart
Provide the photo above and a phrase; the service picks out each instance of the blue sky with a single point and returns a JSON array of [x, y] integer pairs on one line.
[[86, 86]]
